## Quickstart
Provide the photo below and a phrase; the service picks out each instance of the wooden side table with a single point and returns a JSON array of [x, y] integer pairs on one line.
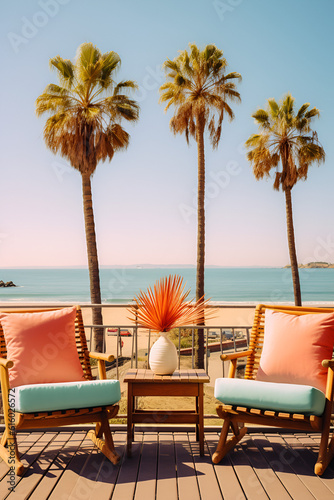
[[181, 383]]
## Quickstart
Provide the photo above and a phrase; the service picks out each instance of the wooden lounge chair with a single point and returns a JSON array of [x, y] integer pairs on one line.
[[237, 413], [14, 420]]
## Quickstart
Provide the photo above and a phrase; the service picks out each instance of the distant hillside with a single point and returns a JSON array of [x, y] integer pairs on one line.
[[315, 265]]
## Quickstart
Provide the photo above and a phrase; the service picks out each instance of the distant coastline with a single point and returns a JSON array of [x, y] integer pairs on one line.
[[314, 265]]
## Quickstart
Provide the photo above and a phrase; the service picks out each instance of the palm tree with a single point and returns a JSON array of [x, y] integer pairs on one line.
[[287, 145], [199, 89], [86, 109]]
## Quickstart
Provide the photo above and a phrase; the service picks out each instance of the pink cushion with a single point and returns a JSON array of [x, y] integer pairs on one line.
[[294, 347], [42, 347]]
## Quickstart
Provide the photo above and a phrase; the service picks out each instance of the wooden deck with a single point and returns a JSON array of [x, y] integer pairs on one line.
[[168, 466]]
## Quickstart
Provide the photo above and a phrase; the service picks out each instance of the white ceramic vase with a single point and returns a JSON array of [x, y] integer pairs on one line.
[[163, 356]]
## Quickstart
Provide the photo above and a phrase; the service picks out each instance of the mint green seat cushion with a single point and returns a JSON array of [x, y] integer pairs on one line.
[[288, 398], [65, 396]]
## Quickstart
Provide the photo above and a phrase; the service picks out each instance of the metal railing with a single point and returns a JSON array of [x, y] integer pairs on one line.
[[235, 333], [238, 337]]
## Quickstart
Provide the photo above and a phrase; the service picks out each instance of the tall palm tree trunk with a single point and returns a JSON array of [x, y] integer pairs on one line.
[[199, 353], [93, 264], [292, 248]]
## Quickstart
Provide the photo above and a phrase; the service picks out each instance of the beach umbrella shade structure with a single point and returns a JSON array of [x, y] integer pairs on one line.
[[200, 90], [86, 109], [287, 146]]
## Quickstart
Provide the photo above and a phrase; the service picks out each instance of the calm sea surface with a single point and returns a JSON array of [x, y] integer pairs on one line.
[[120, 285]]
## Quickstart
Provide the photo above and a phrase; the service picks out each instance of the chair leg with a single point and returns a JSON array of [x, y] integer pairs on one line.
[[107, 445], [98, 430], [326, 453], [10, 454], [225, 446]]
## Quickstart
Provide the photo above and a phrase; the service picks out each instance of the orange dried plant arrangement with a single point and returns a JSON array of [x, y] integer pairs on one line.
[[165, 307]]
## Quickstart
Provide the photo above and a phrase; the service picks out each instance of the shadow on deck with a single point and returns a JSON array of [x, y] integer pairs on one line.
[[167, 465]]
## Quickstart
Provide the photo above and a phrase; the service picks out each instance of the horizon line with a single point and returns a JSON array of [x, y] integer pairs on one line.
[[146, 266]]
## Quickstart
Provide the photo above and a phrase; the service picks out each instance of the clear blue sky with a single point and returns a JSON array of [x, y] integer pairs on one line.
[[144, 199]]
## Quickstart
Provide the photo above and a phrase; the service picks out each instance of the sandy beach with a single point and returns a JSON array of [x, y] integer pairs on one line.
[[224, 315]]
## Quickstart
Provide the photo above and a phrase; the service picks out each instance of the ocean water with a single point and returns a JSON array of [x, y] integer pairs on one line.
[[120, 285]]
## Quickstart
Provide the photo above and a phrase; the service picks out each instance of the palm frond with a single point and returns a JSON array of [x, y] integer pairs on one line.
[[274, 108], [65, 70], [232, 76], [261, 116], [313, 112], [311, 152], [165, 306], [209, 51], [128, 109], [302, 124], [302, 110], [51, 103], [110, 63], [125, 85], [253, 141], [172, 65], [88, 62], [288, 104]]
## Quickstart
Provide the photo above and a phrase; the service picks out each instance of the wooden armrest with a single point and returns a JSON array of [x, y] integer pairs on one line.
[[103, 356], [6, 363], [328, 363], [235, 355], [233, 358]]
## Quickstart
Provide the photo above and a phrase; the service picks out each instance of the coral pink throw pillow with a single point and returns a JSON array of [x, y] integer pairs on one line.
[[294, 347], [42, 347]]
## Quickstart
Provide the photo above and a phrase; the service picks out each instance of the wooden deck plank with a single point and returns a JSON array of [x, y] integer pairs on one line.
[[25, 441], [313, 448], [276, 459], [249, 481], [127, 476], [207, 482], [304, 467], [57, 467], [86, 483], [292, 455], [74, 468], [107, 472], [147, 475], [40, 441], [185, 468], [226, 476], [166, 474], [37, 470], [269, 480], [289, 455]]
